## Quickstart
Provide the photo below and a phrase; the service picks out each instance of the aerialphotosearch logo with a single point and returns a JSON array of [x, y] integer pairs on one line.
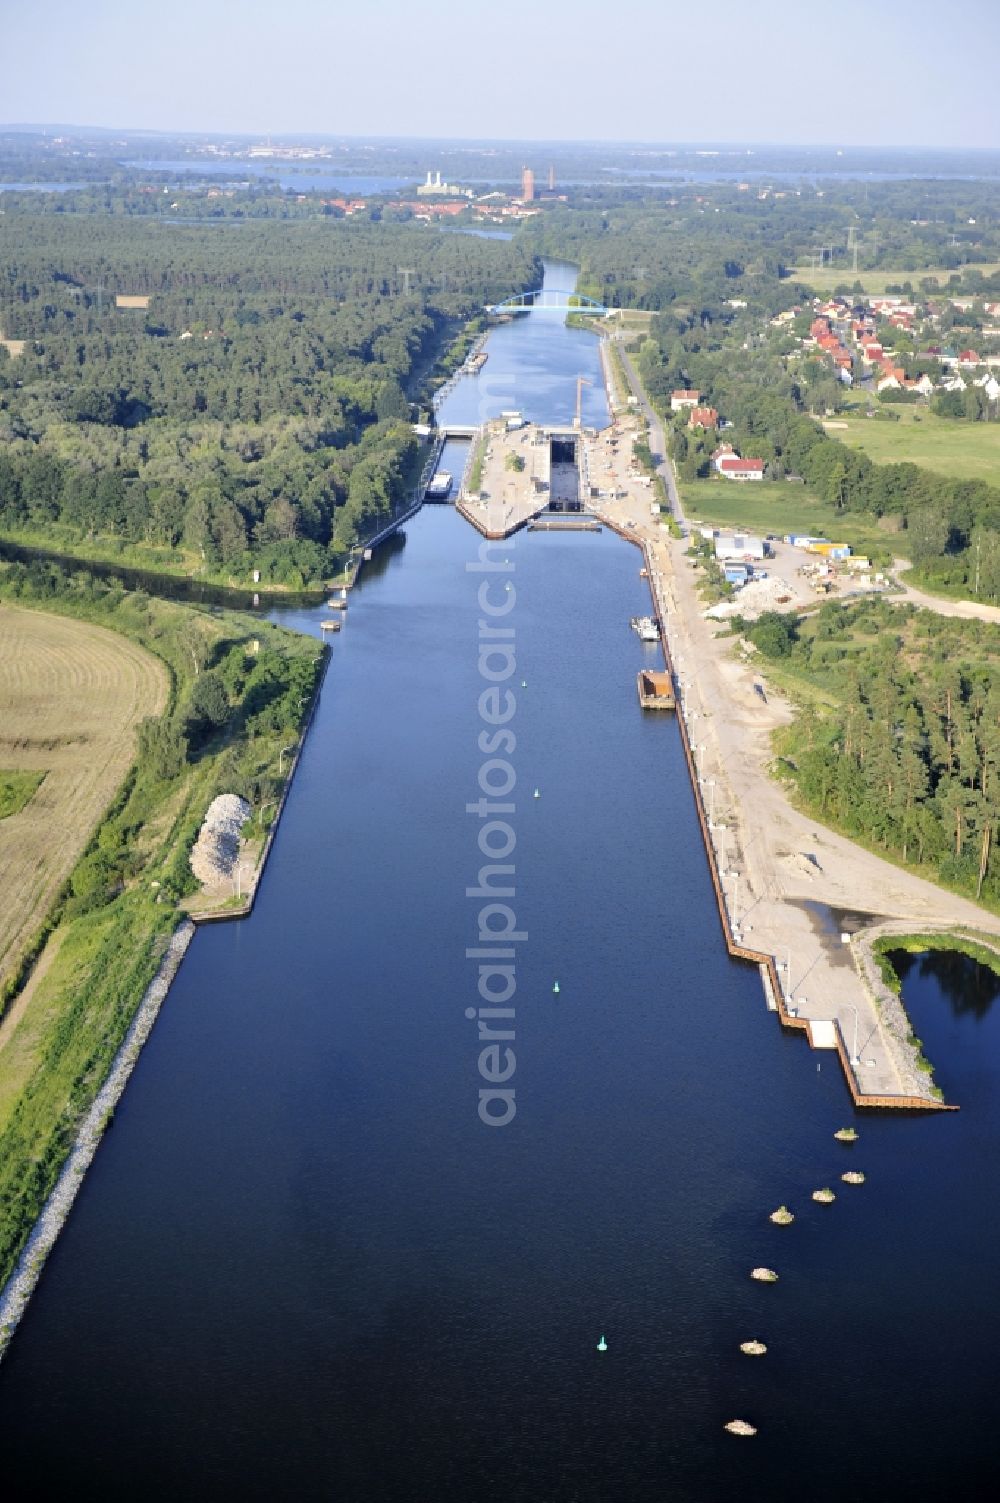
[[497, 933]]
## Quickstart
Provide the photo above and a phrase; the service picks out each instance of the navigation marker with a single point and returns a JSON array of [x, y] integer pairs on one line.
[[537, 794], [555, 986], [602, 1345]]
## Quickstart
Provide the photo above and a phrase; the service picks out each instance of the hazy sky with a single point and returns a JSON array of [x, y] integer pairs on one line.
[[879, 72]]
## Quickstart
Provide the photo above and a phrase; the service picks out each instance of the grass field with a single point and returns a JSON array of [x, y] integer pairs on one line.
[[16, 790], [957, 450], [70, 697], [779, 508], [875, 282]]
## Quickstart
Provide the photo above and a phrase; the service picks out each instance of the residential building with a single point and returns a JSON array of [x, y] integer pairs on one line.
[[740, 469], [703, 417]]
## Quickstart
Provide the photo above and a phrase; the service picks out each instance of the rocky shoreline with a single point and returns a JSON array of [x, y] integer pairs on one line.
[[19, 1288]]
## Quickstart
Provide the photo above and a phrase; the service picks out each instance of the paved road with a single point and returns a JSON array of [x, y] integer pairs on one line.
[[657, 440]]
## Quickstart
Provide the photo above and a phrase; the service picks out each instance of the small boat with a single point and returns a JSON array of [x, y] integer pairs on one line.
[[764, 1275], [439, 488], [753, 1348], [645, 628], [741, 1427]]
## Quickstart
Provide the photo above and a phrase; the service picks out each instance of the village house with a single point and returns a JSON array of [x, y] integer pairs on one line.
[[681, 399], [703, 417], [731, 467]]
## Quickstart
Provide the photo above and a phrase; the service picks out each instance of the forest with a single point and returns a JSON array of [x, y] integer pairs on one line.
[[897, 740], [256, 414]]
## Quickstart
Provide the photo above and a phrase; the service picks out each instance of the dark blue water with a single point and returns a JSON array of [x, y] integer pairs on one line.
[[533, 364], [301, 1266]]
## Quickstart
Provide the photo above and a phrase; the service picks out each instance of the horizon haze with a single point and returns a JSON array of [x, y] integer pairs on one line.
[[656, 73]]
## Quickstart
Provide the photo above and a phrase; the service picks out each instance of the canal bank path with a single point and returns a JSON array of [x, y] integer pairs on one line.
[[792, 887]]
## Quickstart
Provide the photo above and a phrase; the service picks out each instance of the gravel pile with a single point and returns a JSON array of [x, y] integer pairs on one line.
[[754, 598], [215, 852]]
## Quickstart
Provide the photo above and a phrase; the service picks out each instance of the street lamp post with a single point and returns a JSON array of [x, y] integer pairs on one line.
[[736, 899], [722, 846], [711, 800], [854, 1050], [283, 752]]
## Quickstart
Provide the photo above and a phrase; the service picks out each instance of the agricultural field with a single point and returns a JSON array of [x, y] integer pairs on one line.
[[71, 695], [778, 508], [958, 450], [827, 278], [96, 914]]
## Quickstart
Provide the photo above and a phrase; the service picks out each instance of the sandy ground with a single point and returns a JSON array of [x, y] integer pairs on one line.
[[968, 610]]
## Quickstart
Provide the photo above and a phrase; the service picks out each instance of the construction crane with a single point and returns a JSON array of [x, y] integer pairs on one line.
[[581, 382]]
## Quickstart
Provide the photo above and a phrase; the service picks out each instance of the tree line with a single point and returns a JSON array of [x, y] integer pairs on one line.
[[256, 414]]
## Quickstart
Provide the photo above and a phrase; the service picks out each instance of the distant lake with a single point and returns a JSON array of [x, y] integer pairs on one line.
[[288, 177], [471, 229], [692, 174], [44, 187]]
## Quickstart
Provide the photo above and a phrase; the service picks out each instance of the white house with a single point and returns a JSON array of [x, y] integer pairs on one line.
[[733, 468]]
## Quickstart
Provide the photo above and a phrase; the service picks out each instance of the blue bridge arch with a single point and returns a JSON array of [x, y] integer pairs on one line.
[[549, 298]]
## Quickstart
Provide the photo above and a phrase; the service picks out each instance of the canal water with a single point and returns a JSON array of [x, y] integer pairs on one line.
[[302, 1267]]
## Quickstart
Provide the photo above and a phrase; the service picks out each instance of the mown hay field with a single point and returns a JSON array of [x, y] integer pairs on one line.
[[958, 450], [71, 695], [824, 279]]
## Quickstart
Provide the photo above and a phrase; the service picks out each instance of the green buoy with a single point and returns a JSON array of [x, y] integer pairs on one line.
[[602, 1345]]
